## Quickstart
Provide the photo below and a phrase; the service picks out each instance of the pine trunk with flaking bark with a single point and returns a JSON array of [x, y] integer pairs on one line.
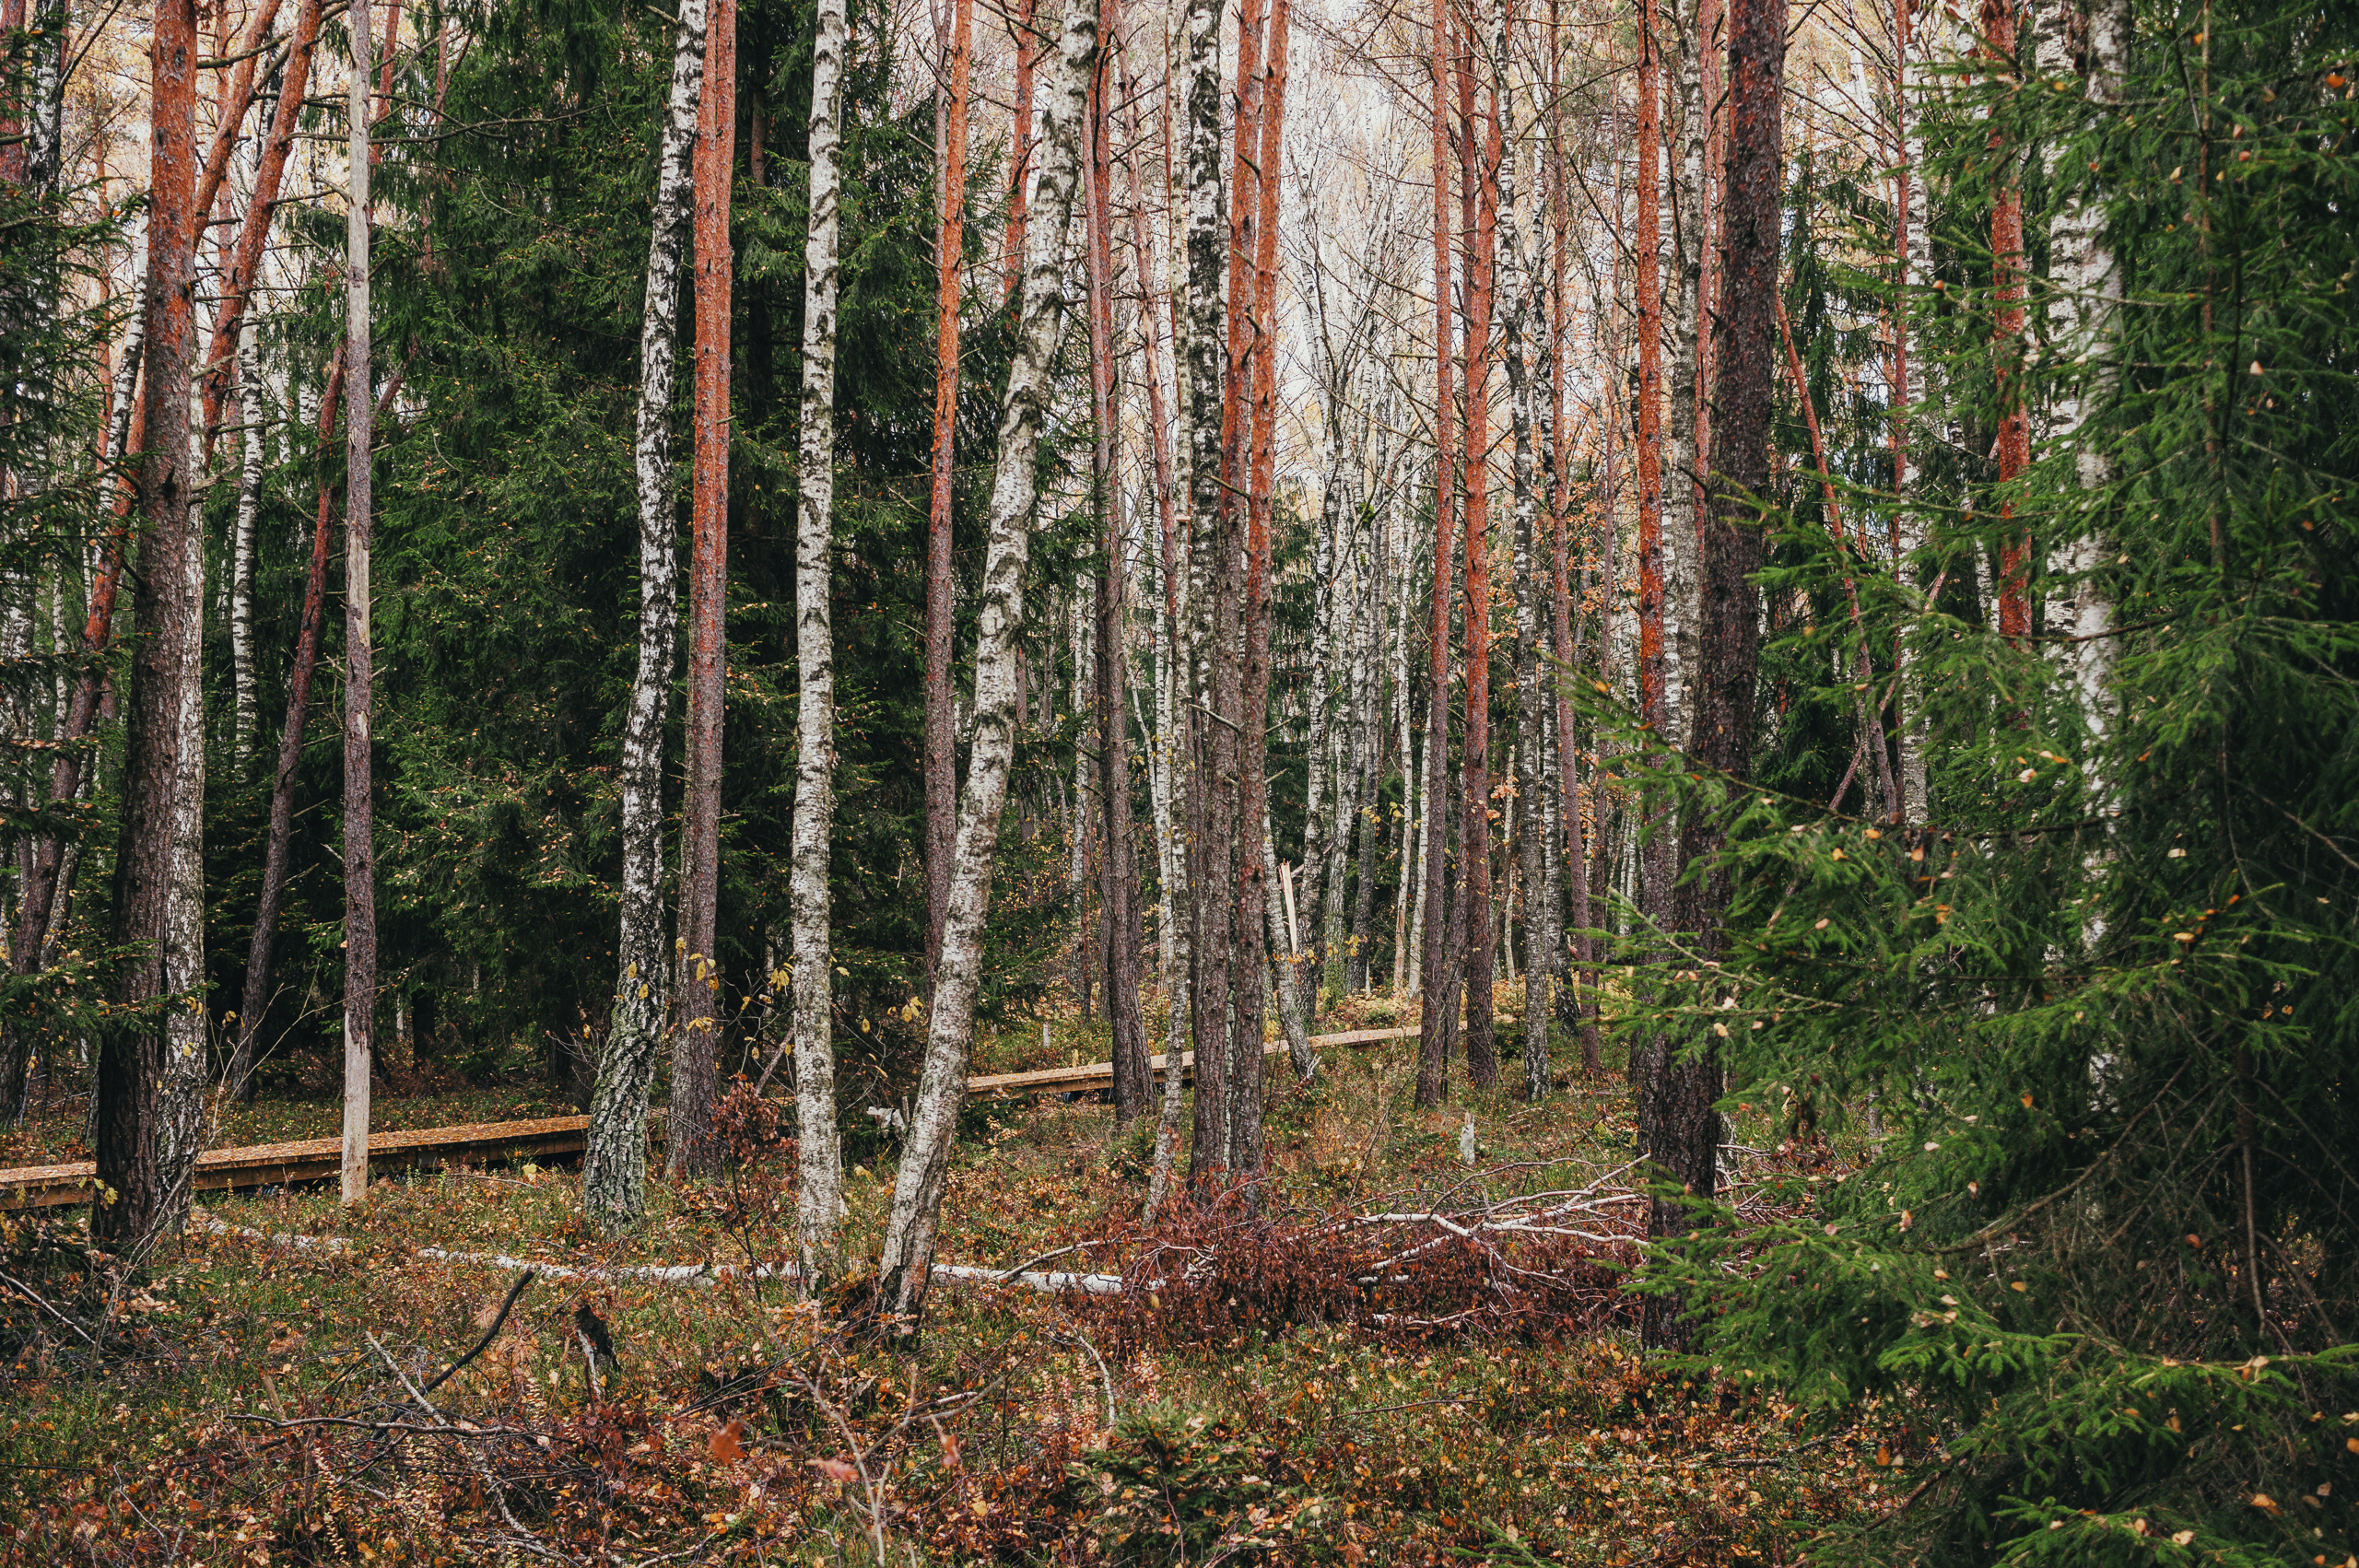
[[819, 1201], [1681, 1132], [2009, 289], [1023, 138], [905, 1267], [690, 1148], [1474, 889], [359, 799], [614, 1161], [1118, 872], [941, 748], [2084, 321], [1437, 1029], [1523, 323], [147, 1176]]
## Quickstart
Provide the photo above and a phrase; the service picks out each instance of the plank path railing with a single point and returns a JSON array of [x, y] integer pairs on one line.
[[314, 1159]]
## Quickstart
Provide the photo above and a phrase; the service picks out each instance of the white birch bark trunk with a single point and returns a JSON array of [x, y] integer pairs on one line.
[[181, 1100], [819, 1200], [1294, 1016], [247, 711], [614, 1164], [1684, 152], [1405, 966], [905, 1266], [1918, 86], [2084, 318]]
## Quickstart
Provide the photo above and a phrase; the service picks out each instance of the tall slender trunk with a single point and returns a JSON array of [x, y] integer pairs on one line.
[[819, 1201], [360, 800], [1912, 257], [2083, 314], [2010, 287], [941, 749], [1436, 1027], [1475, 766], [238, 279], [1217, 384], [1524, 323], [690, 1148], [614, 1161], [1565, 599], [1684, 1127], [906, 1265], [1021, 22], [1683, 478], [141, 1155], [1171, 723], [246, 704], [277, 843], [1118, 874], [1654, 711], [1404, 967]]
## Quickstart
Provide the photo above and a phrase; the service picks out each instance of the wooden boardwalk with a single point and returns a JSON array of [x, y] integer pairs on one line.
[[314, 1159]]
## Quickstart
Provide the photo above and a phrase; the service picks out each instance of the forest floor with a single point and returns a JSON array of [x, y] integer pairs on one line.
[[1247, 1401]]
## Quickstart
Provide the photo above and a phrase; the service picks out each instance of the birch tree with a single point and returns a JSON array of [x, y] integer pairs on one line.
[[820, 1203], [614, 1159], [906, 1264], [360, 835]]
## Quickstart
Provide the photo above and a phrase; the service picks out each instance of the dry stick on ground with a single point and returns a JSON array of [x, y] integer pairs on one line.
[[514, 1291], [527, 1539]]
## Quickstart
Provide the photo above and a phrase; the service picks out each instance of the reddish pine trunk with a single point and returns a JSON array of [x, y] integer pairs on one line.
[[130, 1060], [1682, 1126], [1645, 233], [696, 1048], [2008, 291], [941, 754], [1437, 1024]]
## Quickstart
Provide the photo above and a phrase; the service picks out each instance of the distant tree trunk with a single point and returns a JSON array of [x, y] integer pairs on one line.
[[819, 1201], [245, 707], [1682, 1131], [1118, 875], [614, 1161], [1656, 864], [277, 843], [1480, 167], [1913, 252], [1253, 697], [360, 805], [1524, 323], [2084, 315], [1171, 720], [1437, 1026], [905, 1267], [949, 246], [696, 1023], [1682, 315], [2008, 288], [1217, 434], [143, 1157], [1021, 23], [238, 278]]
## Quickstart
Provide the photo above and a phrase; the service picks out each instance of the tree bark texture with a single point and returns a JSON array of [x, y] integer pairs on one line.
[[359, 837], [1684, 1127], [1438, 1027], [819, 1202], [614, 1159], [941, 749], [1654, 708], [2009, 289], [146, 1177], [1118, 872], [695, 1019], [279, 841], [1481, 169], [905, 1267]]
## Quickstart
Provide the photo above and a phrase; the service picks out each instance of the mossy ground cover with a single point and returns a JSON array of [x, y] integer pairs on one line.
[[242, 1403]]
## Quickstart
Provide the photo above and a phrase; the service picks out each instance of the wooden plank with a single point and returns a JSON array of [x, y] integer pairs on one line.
[[313, 1159]]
